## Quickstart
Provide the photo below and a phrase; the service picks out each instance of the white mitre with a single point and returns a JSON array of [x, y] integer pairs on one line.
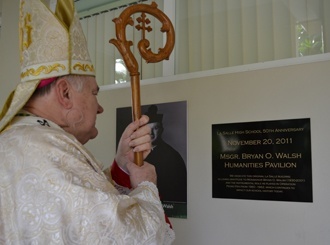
[[52, 44]]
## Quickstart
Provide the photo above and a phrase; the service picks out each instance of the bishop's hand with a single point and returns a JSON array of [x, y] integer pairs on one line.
[[135, 138]]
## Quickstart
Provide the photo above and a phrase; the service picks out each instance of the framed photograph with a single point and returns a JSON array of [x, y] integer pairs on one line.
[[168, 122]]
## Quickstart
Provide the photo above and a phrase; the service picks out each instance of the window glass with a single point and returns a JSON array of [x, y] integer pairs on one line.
[[214, 34], [99, 28]]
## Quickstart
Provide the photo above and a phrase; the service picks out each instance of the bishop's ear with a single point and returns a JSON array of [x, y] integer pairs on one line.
[[64, 93]]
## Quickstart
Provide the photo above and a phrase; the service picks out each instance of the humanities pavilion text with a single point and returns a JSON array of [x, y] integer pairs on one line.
[[266, 160]]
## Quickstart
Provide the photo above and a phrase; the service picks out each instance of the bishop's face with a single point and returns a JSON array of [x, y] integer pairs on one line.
[[86, 102]]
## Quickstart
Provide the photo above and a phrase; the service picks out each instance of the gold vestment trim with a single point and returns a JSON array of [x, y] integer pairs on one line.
[[65, 12], [44, 69], [83, 67]]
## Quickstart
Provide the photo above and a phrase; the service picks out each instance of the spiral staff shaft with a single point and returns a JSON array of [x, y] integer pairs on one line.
[[123, 45]]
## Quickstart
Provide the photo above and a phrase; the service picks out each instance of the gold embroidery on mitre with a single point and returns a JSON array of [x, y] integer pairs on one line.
[[44, 69], [25, 30], [28, 30], [83, 67]]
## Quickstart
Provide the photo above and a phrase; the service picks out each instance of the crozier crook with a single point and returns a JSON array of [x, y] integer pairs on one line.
[[124, 45]]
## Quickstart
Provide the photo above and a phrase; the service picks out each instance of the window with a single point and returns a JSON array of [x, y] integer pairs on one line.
[[224, 33], [215, 34], [110, 67]]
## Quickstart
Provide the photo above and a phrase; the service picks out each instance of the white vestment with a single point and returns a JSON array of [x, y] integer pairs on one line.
[[53, 191]]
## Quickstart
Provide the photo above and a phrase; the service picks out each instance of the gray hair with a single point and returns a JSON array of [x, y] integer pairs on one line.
[[77, 82]]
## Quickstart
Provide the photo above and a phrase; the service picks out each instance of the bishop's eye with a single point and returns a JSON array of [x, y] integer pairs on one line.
[[95, 92]]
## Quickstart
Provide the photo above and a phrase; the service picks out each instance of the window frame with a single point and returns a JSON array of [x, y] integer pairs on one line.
[[169, 65]]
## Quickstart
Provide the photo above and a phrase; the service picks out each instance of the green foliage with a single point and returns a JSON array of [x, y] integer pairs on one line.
[[309, 44]]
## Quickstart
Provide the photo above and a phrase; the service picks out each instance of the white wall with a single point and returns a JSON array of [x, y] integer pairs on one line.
[[297, 91], [9, 52]]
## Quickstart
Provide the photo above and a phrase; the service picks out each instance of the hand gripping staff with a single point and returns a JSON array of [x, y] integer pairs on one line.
[[123, 47]]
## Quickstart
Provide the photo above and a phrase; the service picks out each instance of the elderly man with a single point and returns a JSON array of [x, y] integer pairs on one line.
[[52, 190]]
